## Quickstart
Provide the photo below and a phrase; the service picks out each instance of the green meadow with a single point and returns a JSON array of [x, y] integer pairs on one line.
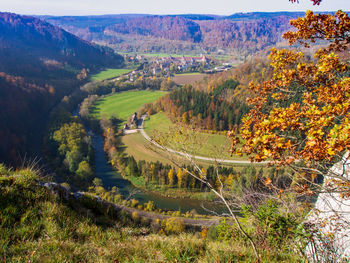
[[123, 105], [210, 145], [109, 73]]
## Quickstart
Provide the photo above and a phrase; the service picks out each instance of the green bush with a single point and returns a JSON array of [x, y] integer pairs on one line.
[[173, 225], [212, 233], [135, 217], [272, 227]]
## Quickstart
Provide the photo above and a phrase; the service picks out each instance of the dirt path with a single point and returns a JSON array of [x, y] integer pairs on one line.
[[144, 134], [63, 194]]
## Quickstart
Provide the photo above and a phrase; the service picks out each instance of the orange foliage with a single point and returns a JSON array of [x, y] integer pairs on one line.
[[303, 111]]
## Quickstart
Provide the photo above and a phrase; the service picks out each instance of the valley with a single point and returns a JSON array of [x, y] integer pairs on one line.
[[174, 137]]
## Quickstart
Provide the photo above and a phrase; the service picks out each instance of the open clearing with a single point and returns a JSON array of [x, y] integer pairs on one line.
[[137, 146], [161, 55], [188, 78], [211, 145], [109, 73], [123, 105]]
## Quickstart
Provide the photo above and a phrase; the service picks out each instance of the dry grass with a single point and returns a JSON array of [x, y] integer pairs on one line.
[[183, 79]]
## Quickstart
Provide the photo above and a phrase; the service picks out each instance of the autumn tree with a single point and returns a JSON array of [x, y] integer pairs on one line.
[[171, 177], [300, 119]]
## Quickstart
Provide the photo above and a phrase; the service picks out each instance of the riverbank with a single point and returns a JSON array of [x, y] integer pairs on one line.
[[110, 177], [167, 191]]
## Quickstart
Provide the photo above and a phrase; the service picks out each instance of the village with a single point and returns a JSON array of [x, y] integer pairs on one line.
[[167, 66]]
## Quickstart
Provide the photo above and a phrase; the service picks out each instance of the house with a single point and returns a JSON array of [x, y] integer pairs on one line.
[[133, 120]]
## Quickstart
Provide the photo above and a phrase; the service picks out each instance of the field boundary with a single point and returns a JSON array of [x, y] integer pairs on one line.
[[187, 155]]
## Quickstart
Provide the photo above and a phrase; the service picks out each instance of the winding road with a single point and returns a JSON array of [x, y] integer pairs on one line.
[[144, 134]]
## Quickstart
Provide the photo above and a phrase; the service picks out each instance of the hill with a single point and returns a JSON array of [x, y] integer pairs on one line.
[[249, 32], [39, 65], [40, 225], [42, 48]]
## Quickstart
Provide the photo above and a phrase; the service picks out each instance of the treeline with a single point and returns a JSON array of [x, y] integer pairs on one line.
[[148, 174], [40, 64], [175, 34], [96, 90], [123, 84], [67, 147], [21, 105], [167, 27], [206, 110], [252, 35], [216, 103]]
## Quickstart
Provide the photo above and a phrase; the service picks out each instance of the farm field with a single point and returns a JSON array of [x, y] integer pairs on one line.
[[138, 147], [124, 104], [108, 74], [188, 78], [161, 55], [212, 145]]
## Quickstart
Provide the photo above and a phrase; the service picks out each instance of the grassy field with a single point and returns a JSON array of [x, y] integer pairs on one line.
[[136, 145], [109, 73], [123, 105], [212, 145], [188, 78], [161, 55], [38, 227]]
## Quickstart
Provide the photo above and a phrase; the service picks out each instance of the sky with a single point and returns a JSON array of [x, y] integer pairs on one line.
[[219, 7]]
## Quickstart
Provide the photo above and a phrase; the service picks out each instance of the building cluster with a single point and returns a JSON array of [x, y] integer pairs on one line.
[[168, 65], [179, 64]]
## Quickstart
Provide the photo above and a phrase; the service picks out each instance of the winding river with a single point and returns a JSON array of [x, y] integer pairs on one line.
[[111, 177]]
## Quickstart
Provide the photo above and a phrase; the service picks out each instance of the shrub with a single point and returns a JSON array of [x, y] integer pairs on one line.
[[212, 233], [155, 225], [274, 229], [174, 225], [3, 169], [135, 217], [149, 206], [124, 217], [134, 203]]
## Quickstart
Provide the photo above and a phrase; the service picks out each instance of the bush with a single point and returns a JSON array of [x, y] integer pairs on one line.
[[3, 169], [134, 203], [125, 217], [173, 225], [135, 217], [149, 206], [273, 228], [212, 233]]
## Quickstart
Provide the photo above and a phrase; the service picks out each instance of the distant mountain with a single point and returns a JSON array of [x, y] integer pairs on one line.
[[168, 27], [39, 64], [42, 47], [247, 32]]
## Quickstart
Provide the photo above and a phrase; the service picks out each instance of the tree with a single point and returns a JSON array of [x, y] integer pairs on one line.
[[171, 177], [300, 119], [179, 176]]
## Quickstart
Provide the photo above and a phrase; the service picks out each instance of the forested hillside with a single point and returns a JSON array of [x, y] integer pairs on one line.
[[219, 102], [250, 32], [39, 64]]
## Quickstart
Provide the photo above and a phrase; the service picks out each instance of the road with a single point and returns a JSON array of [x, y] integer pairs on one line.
[[186, 155]]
